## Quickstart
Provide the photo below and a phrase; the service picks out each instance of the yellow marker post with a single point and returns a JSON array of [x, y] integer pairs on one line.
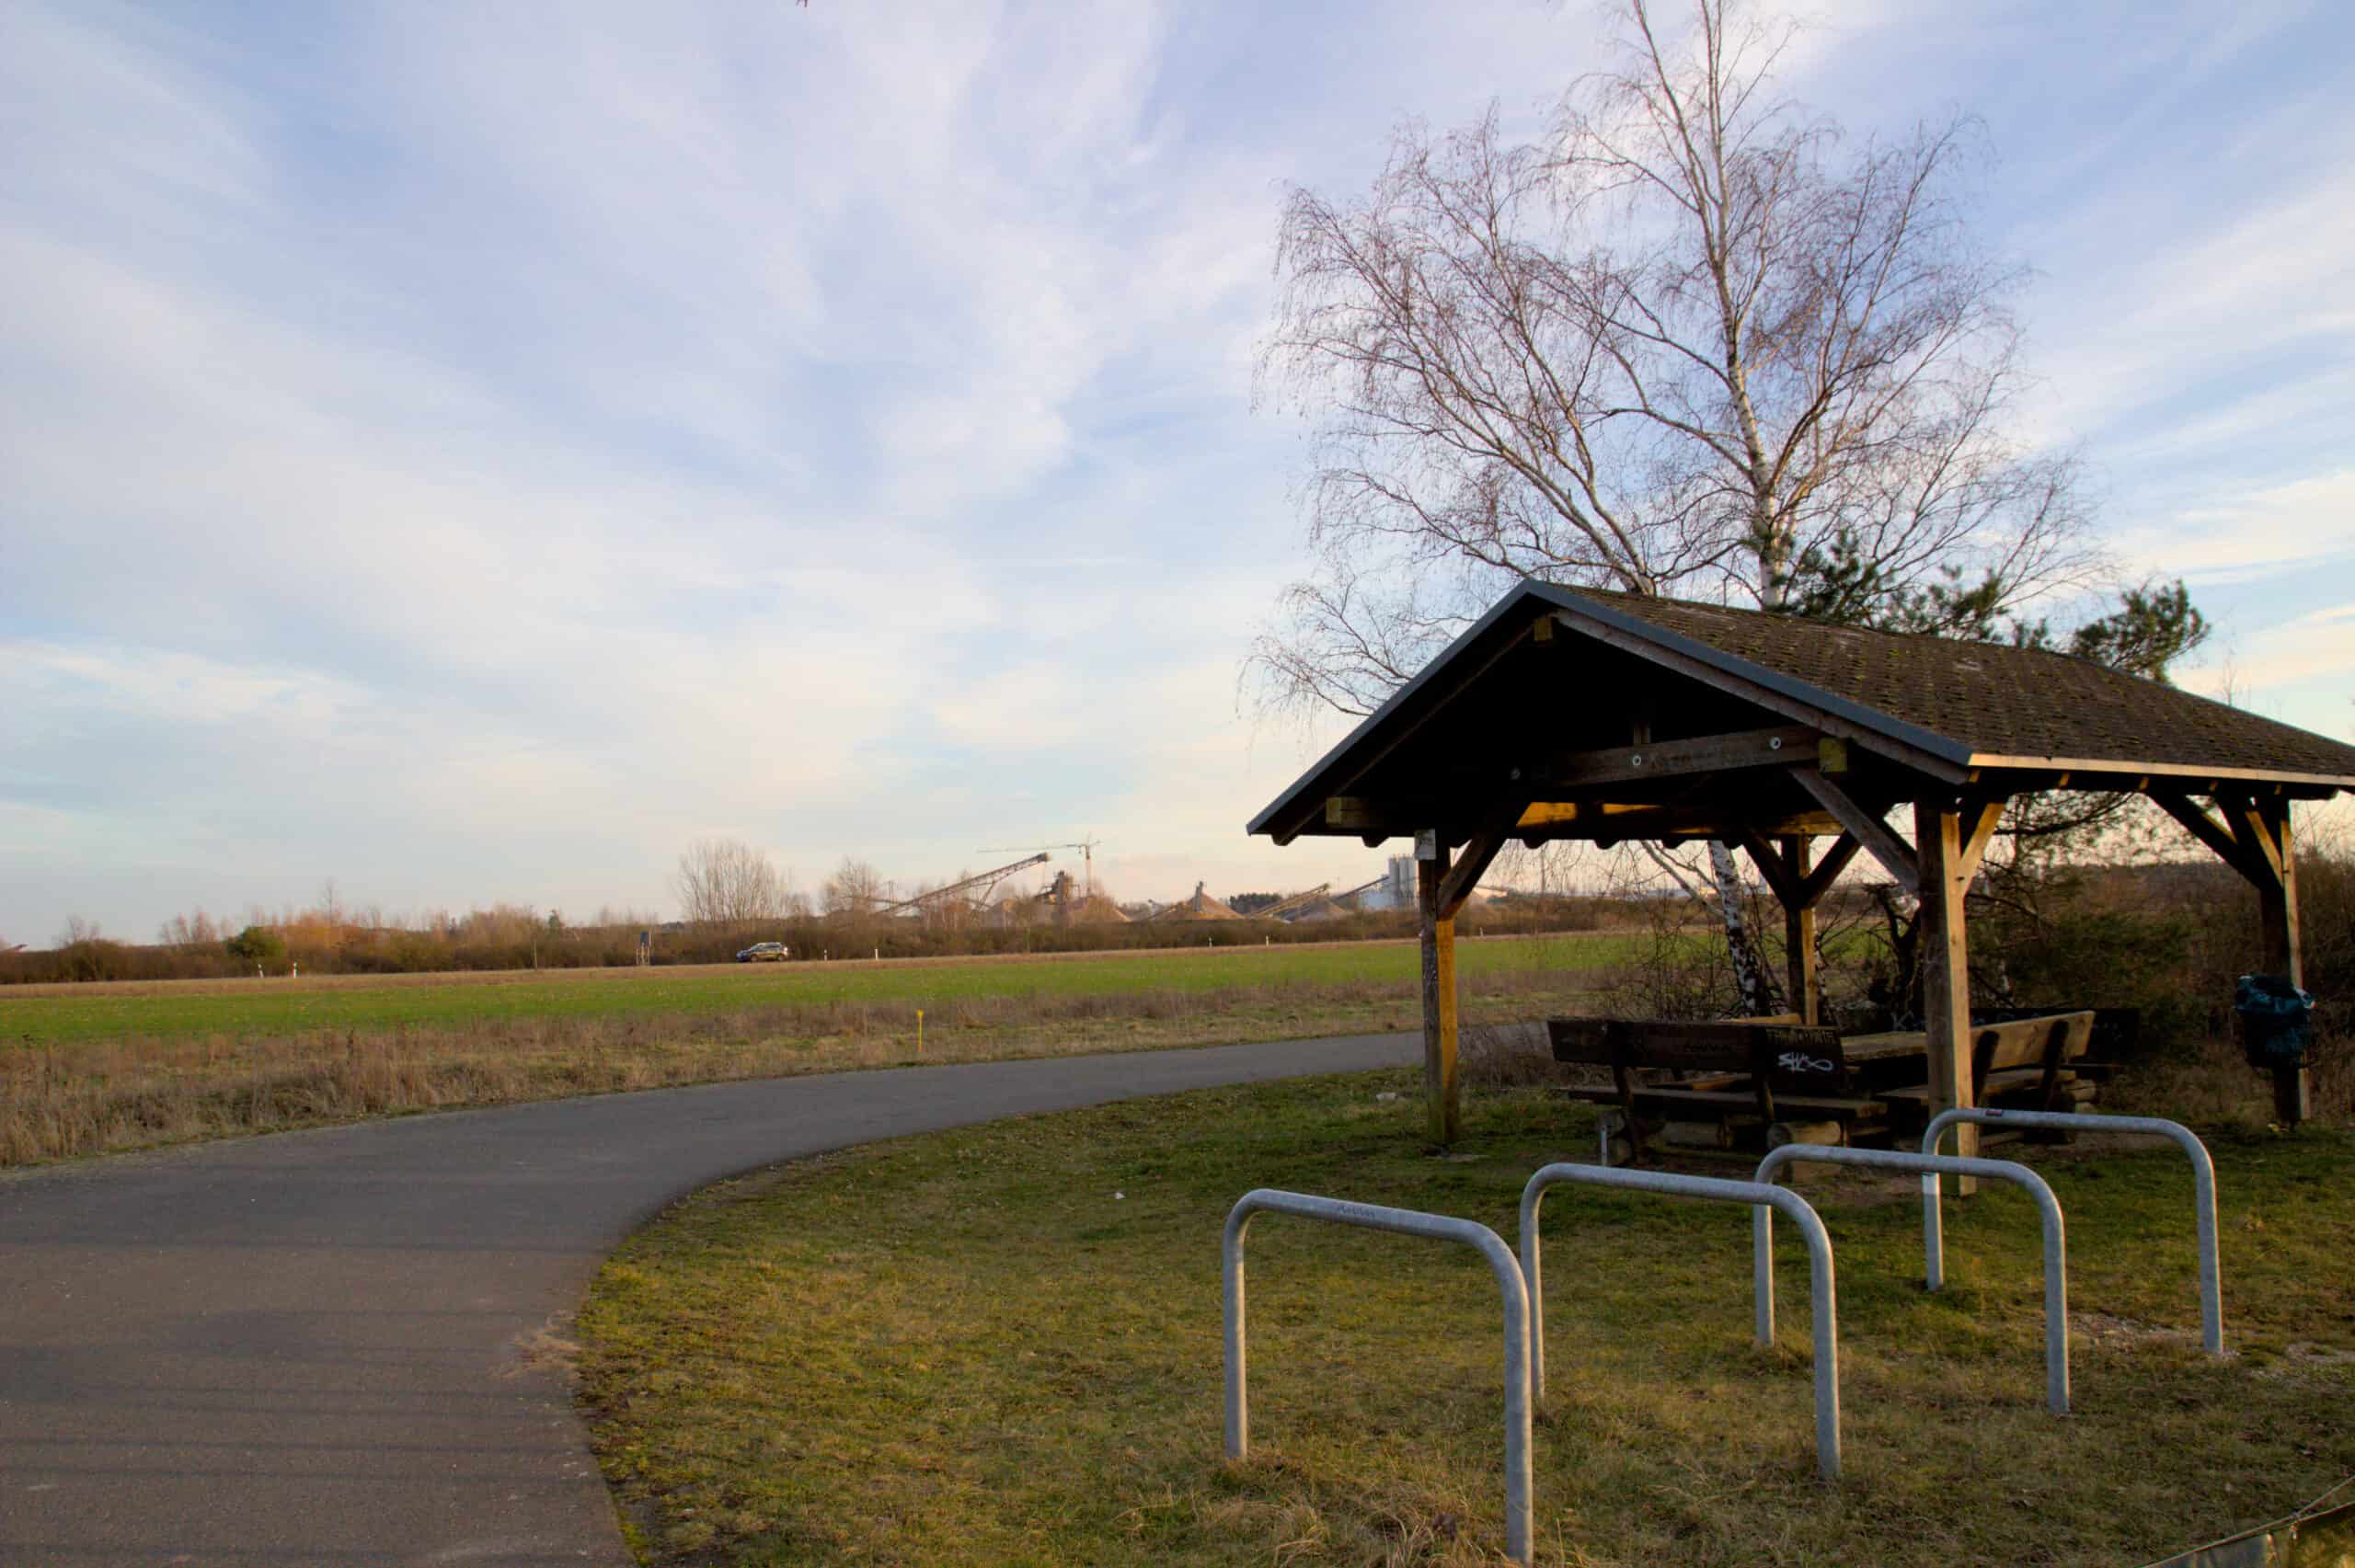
[[919, 1031]]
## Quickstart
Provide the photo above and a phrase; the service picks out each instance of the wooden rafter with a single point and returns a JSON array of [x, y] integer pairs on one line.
[[1478, 854], [1869, 830], [1704, 755], [1611, 821], [2253, 832], [1827, 871], [1764, 855], [2207, 829], [1979, 820]]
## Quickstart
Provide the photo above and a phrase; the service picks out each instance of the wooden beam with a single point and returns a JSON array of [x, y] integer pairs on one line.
[[2256, 839], [1827, 871], [1869, 829], [1479, 853], [2206, 829], [2113, 773], [1979, 820], [2278, 907], [1674, 824], [2254, 833], [1945, 968], [1442, 1118], [1671, 759], [1799, 888], [1769, 861], [1804, 982]]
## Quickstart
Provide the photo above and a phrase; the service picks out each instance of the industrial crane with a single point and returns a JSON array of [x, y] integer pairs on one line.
[[1284, 907], [1087, 847], [987, 879]]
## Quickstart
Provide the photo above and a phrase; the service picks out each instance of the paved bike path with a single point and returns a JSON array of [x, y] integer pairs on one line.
[[317, 1348]]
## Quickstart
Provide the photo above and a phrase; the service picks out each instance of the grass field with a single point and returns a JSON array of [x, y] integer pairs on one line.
[[54, 1015], [96, 1070], [1003, 1344]]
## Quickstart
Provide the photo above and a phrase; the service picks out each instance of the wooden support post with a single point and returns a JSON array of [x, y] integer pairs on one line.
[[1945, 971], [2277, 899], [1805, 984], [2255, 839], [1440, 1090]]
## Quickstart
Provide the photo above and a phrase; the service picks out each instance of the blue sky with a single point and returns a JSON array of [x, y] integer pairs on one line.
[[468, 452]]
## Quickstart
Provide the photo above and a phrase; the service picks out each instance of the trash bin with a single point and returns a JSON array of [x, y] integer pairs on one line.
[[2277, 1020]]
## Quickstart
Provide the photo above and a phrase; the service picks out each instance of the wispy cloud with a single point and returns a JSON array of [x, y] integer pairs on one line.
[[468, 452]]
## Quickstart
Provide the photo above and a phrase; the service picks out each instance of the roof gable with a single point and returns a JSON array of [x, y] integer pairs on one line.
[[1934, 708]]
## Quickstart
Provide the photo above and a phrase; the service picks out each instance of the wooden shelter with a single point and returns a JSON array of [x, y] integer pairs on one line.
[[1580, 714]]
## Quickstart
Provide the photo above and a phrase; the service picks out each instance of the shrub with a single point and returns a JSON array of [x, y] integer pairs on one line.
[[257, 944]]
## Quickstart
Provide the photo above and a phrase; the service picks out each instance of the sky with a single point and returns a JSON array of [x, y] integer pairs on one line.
[[467, 453]]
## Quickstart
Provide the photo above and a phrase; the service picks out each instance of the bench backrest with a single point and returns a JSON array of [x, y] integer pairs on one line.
[[2030, 1041], [1790, 1057]]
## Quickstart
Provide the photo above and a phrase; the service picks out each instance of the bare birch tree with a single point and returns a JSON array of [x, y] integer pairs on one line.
[[727, 880], [1693, 341], [855, 888], [1696, 340]]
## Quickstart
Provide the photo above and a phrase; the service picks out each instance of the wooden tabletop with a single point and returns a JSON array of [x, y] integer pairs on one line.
[[1884, 1047]]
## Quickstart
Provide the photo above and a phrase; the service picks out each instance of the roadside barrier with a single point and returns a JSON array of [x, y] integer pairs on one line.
[[1759, 1195], [1405, 1222], [2203, 1193], [2056, 1246]]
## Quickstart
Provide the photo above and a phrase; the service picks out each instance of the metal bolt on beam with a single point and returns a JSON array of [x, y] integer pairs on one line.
[[1405, 1222], [1760, 1195], [2056, 1246], [2203, 1193]]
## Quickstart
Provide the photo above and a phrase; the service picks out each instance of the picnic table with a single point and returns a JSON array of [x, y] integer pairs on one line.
[[1744, 1083]]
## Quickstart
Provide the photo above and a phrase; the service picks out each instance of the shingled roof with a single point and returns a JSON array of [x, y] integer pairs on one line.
[[1997, 705], [2024, 719]]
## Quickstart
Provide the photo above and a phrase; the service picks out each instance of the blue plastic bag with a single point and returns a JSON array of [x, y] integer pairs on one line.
[[2277, 1020]]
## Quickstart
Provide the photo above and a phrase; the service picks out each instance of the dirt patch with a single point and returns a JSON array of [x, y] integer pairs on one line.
[[2125, 1335], [548, 1347]]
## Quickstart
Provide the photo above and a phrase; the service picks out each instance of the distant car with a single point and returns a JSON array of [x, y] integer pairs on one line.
[[765, 953]]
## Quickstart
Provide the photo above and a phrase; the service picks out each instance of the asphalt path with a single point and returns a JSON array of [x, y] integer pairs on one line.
[[331, 1347]]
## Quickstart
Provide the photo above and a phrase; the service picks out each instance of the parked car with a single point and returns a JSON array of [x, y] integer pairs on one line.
[[765, 952]]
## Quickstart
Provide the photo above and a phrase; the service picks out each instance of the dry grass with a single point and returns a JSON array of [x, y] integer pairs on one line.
[[105, 1096], [1003, 1344]]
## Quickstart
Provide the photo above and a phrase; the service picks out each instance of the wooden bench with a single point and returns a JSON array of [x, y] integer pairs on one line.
[[1774, 1078], [2023, 1064]]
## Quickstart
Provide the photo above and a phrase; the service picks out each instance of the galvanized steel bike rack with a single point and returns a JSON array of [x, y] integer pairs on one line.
[[2056, 1245], [1761, 1196], [1405, 1223], [2203, 1193]]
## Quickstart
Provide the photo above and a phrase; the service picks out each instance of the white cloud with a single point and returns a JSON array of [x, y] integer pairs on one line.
[[470, 455], [2304, 524], [2316, 646]]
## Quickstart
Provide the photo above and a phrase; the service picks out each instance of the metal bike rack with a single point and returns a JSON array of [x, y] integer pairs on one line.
[[2056, 1246], [1761, 1196], [1405, 1223], [2203, 1193]]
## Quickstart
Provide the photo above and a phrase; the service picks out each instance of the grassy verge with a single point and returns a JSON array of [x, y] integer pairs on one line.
[[1002, 1345], [94, 1096]]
